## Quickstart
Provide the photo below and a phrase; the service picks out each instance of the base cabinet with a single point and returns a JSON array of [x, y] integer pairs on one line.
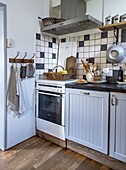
[[87, 118], [118, 126]]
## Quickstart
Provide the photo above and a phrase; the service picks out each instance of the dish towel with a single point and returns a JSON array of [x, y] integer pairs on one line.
[[15, 98], [12, 91]]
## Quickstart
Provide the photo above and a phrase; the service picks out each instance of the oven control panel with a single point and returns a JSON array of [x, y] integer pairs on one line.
[[51, 88]]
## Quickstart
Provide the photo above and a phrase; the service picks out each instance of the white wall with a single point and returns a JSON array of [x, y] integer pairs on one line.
[[2, 79], [114, 7], [22, 25]]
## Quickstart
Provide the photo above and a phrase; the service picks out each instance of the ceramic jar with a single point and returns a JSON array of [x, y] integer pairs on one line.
[[108, 20], [123, 18], [116, 19]]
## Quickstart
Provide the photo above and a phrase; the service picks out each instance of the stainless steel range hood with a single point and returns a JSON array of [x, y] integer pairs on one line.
[[73, 11]]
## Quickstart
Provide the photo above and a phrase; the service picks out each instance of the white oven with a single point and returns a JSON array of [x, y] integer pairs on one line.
[[50, 103], [50, 107]]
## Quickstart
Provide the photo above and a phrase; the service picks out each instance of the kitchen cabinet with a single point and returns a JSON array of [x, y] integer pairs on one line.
[[87, 118], [118, 126]]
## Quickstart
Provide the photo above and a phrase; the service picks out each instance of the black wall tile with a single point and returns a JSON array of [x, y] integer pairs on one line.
[[49, 70], [50, 45], [104, 47], [38, 36], [81, 43], [90, 60], [77, 55], [53, 56], [104, 34], [123, 35], [54, 40], [39, 66], [42, 54], [86, 37], [63, 40]]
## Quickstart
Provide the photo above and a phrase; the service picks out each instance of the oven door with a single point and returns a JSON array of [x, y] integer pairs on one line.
[[50, 107]]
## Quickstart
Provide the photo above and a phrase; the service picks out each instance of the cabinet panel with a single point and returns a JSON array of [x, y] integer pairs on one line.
[[118, 127], [87, 118]]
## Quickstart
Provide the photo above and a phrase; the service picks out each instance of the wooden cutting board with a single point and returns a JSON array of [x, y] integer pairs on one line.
[[71, 65]]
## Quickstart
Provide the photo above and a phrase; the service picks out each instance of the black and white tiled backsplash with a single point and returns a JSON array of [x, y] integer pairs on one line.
[[90, 47]]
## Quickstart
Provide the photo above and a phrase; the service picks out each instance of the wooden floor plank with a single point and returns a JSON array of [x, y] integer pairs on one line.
[[88, 164], [40, 154]]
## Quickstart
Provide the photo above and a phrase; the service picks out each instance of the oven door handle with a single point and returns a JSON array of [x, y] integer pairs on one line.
[[49, 94]]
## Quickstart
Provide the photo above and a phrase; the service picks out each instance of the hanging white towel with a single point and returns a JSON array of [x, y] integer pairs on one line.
[[20, 95]]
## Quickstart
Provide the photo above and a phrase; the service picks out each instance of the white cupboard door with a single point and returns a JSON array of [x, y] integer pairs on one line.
[[118, 126], [87, 118]]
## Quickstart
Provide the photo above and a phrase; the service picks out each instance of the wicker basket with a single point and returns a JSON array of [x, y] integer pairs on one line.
[[49, 21], [57, 76]]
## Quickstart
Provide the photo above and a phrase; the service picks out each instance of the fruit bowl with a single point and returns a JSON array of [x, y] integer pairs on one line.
[[61, 75]]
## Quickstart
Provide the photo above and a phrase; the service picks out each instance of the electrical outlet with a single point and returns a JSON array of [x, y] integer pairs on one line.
[[9, 43]]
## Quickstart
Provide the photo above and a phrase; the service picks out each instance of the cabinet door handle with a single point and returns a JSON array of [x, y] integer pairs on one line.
[[85, 93], [114, 101]]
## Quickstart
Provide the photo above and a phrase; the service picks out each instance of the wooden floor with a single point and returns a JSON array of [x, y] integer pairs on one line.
[[39, 154]]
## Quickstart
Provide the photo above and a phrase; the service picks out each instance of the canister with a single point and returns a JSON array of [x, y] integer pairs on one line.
[[123, 18], [108, 20], [115, 19]]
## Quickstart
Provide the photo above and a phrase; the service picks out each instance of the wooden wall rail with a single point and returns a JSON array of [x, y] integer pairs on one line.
[[20, 60]]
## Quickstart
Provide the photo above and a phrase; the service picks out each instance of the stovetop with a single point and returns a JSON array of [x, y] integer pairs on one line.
[[55, 82]]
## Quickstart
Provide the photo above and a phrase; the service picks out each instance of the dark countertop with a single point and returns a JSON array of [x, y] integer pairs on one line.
[[98, 87]]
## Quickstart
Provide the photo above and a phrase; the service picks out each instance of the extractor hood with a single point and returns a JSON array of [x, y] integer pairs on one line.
[[74, 13]]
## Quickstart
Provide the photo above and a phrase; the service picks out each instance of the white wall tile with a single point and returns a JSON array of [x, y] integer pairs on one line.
[[86, 43], [81, 55], [80, 49], [104, 41], [50, 50], [110, 40], [97, 54], [92, 48], [103, 53], [97, 60], [42, 43], [98, 36], [110, 34], [98, 42], [91, 54], [92, 43], [103, 60], [38, 48], [46, 44], [86, 55], [92, 37], [38, 42], [46, 49], [46, 55], [97, 48], [81, 38], [86, 49]]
